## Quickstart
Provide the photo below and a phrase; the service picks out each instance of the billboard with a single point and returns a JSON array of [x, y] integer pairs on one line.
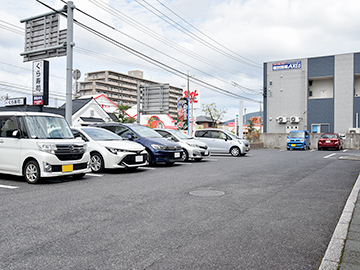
[[41, 82], [286, 65], [182, 122]]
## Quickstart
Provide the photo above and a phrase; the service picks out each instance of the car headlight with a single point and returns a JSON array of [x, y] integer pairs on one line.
[[193, 145], [288, 140], [158, 147], [47, 147], [115, 150], [302, 140]]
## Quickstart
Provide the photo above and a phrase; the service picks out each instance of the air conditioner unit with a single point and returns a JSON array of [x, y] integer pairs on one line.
[[354, 130], [295, 119], [282, 120]]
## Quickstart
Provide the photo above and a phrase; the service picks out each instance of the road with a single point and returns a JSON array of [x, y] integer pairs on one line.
[[272, 209]]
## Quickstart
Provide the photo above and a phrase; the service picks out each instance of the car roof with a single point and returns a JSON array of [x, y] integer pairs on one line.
[[17, 113]]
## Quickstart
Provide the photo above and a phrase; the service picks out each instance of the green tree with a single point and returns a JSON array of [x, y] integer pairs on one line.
[[215, 114], [122, 116]]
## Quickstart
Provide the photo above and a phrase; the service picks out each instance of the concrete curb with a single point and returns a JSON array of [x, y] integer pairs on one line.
[[335, 248]]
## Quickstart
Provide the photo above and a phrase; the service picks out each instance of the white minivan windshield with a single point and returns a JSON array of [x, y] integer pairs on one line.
[[48, 127]]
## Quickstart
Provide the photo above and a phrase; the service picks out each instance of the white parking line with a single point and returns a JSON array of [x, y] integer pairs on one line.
[[10, 187], [147, 168], [312, 150], [345, 150], [333, 154]]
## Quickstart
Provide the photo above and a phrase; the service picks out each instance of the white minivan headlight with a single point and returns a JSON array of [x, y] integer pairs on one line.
[[47, 147]]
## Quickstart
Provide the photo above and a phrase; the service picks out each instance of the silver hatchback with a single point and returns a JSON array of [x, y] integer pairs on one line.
[[222, 141]]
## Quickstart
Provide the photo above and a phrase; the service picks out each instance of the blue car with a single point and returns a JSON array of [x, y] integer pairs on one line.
[[159, 149], [298, 139]]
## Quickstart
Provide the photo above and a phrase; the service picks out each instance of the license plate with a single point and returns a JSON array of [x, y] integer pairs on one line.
[[247, 149], [293, 145], [177, 155], [139, 159], [67, 168], [327, 141], [206, 152]]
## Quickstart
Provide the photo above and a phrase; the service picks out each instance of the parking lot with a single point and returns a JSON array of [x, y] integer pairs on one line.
[[272, 209]]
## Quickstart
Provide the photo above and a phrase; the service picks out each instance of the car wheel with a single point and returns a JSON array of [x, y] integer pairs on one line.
[[78, 176], [197, 159], [288, 148], [32, 172], [149, 158], [235, 151], [96, 162], [169, 163], [319, 148], [184, 156]]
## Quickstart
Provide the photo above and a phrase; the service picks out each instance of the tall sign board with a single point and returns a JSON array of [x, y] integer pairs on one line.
[[43, 39], [41, 82], [156, 99]]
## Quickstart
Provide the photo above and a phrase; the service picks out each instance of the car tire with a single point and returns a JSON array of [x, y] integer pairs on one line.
[[288, 148], [197, 159], [185, 155], [169, 163], [235, 151], [32, 172], [149, 158], [96, 162]]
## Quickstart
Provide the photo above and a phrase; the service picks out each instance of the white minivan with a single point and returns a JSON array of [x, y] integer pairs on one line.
[[36, 145]]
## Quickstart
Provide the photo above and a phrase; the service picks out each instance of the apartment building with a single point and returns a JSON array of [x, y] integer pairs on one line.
[[320, 94], [122, 88]]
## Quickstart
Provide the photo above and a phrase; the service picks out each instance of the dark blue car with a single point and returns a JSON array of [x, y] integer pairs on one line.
[[159, 149]]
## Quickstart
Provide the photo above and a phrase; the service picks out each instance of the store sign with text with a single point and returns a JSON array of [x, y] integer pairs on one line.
[[286, 65], [41, 82]]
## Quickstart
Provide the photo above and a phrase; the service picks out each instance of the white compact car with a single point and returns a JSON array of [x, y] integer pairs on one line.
[[221, 141], [192, 148], [110, 151]]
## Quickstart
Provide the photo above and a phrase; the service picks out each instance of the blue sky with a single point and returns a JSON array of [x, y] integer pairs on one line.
[[258, 30]]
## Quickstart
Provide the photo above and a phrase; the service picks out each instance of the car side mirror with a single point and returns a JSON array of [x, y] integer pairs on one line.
[[129, 137], [287, 137], [16, 134], [307, 136]]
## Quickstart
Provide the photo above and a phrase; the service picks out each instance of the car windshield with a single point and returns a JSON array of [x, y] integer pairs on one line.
[[145, 132], [298, 134], [328, 136], [48, 127], [180, 134], [101, 134]]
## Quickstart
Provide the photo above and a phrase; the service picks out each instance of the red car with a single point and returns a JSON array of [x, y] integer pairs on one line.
[[330, 140]]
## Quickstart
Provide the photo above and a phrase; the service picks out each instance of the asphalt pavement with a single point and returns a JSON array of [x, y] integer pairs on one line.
[[343, 251]]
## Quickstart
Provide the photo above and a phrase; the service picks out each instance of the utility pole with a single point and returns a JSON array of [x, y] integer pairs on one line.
[[189, 117], [69, 61]]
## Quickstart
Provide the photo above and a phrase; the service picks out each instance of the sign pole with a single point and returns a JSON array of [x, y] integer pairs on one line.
[[69, 61]]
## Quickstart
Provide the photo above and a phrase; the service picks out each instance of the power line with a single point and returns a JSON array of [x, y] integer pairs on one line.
[[113, 28], [118, 14], [155, 62], [197, 38], [197, 29]]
